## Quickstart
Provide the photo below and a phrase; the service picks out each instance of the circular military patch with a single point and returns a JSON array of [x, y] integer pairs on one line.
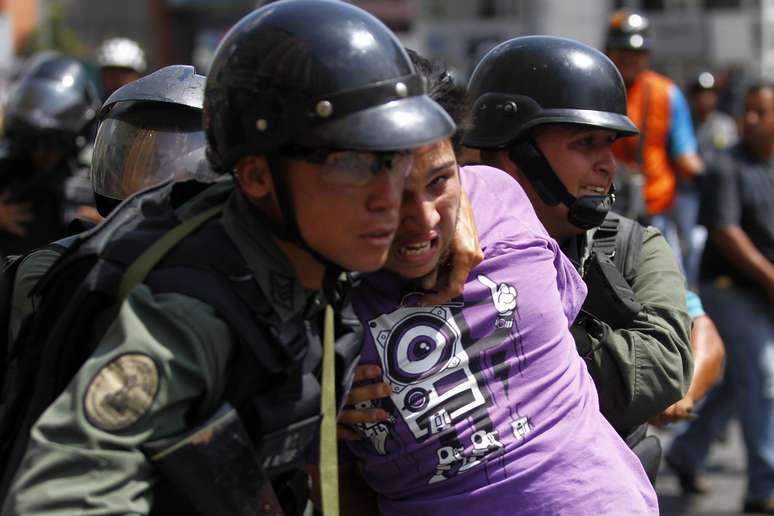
[[121, 392]]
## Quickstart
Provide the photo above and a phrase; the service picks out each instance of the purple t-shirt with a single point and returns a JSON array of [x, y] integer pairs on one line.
[[492, 410]]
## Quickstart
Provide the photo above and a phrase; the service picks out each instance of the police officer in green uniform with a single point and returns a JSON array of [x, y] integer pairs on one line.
[[316, 121], [547, 111]]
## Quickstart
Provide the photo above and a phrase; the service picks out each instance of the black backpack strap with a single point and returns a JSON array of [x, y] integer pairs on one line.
[[605, 237], [620, 239], [610, 297], [63, 244], [140, 268], [7, 279]]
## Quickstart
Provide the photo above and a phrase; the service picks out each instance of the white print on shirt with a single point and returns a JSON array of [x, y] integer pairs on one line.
[[423, 360], [376, 432], [452, 461], [521, 428], [439, 375], [505, 300]]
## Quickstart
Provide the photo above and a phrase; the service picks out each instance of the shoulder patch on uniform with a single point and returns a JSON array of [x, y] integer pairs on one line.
[[121, 392], [282, 290]]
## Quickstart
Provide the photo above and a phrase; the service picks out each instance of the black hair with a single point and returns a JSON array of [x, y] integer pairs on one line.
[[759, 84], [448, 88]]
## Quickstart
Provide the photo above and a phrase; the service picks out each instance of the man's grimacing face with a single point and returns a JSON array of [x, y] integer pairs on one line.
[[428, 213], [582, 157]]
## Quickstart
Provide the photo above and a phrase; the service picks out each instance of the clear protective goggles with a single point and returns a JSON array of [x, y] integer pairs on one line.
[[142, 147], [355, 168]]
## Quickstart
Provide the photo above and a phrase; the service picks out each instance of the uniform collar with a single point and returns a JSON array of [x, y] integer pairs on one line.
[[271, 268]]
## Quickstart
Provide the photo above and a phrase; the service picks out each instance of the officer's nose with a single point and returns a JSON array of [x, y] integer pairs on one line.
[[606, 163]]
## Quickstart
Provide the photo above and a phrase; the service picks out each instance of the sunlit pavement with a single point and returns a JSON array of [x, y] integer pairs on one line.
[[725, 476]]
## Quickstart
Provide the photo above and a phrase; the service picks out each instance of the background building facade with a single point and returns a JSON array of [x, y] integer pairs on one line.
[[733, 37]]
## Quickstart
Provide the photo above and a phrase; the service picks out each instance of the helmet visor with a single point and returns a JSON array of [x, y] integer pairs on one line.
[[141, 148]]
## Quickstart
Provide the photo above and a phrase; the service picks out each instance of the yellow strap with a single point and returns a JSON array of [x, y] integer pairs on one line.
[[329, 458], [139, 269]]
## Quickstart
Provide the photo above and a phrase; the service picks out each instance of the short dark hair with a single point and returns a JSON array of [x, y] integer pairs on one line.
[[758, 85], [449, 89]]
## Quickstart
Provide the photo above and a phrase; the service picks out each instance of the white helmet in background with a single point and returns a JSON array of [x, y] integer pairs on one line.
[[121, 53]]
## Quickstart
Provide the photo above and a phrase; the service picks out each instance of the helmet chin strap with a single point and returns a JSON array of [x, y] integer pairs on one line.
[[585, 212], [289, 231]]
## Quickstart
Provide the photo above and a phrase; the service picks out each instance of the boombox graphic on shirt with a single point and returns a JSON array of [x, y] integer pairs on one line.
[[421, 352], [444, 381]]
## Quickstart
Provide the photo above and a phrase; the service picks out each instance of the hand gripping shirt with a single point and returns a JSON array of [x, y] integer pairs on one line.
[[492, 411]]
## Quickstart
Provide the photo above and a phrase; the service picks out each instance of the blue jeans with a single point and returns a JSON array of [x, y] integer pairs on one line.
[[680, 229], [745, 321]]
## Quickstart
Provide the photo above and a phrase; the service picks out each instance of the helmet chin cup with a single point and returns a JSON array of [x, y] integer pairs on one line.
[[590, 211], [585, 212]]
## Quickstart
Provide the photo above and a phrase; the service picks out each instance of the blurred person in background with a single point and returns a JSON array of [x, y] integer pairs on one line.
[[715, 130], [121, 61], [14, 215], [737, 288], [666, 148], [49, 113], [715, 133]]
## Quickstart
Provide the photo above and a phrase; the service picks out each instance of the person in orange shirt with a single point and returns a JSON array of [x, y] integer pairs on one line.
[[666, 151]]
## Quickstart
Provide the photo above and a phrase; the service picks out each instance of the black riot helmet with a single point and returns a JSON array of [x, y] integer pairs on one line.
[[53, 102], [629, 30], [315, 74], [150, 132], [530, 81]]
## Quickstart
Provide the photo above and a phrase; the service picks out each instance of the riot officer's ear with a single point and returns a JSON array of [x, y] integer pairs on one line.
[[254, 177]]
